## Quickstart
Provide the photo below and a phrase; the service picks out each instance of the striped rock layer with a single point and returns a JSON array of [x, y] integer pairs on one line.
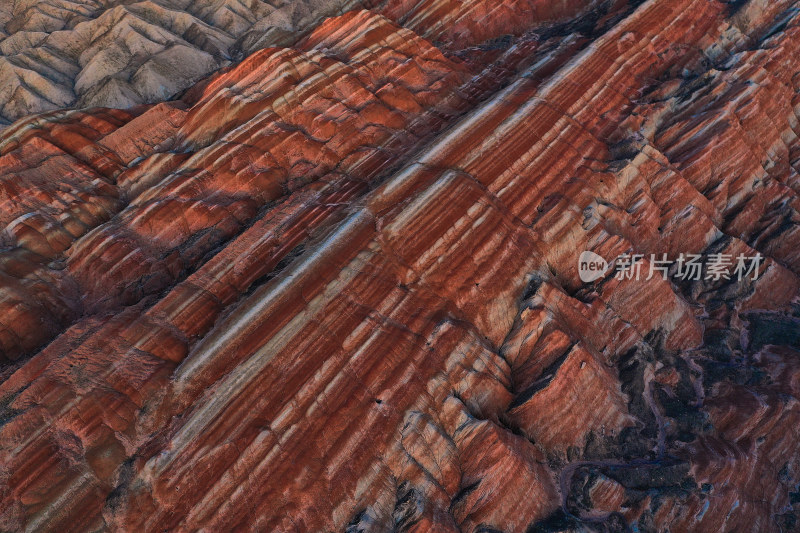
[[57, 54], [335, 285]]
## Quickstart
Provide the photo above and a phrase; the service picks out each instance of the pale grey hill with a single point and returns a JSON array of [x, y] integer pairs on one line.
[[119, 53]]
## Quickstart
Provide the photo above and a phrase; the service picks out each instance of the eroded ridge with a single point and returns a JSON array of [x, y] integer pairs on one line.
[[335, 286], [57, 54]]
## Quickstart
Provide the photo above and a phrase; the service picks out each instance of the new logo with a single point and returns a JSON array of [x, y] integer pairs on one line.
[[591, 267]]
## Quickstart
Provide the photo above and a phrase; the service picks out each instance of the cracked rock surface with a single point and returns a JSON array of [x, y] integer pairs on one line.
[[333, 286]]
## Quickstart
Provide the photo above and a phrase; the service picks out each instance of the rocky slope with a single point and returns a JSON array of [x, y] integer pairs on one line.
[[119, 53], [116, 53], [335, 285]]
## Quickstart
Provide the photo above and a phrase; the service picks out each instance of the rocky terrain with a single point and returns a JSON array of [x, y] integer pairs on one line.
[[121, 53], [334, 285], [118, 53]]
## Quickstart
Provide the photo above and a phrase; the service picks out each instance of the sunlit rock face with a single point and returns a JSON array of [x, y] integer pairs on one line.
[[314, 266]]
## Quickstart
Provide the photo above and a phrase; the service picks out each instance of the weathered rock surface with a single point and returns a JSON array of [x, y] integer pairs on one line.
[[56, 54], [335, 285], [115, 53]]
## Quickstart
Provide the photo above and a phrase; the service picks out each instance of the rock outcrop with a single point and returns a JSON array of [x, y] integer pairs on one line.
[[335, 285], [56, 54], [114, 53]]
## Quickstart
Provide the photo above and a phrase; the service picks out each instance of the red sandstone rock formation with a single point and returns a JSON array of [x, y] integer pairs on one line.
[[335, 286]]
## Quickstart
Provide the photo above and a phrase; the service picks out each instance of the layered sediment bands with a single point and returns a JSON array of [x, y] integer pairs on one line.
[[335, 287], [65, 53], [57, 54], [59, 182], [324, 151], [481, 22]]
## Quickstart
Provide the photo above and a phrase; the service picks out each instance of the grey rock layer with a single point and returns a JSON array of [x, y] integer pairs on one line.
[[116, 53]]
